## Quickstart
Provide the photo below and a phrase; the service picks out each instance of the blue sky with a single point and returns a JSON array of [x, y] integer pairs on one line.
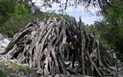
[[88, 17]]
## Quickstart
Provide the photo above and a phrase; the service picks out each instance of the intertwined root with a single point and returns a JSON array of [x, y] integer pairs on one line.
[[60, 48]]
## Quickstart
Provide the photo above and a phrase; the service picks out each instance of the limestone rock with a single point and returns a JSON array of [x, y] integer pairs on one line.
[[3, 43]]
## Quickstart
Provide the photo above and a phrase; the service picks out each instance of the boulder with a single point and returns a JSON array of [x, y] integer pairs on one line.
[[1, 36], [3, 43]]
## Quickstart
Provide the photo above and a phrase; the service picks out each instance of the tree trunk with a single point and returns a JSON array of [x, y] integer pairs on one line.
[[60, 47]]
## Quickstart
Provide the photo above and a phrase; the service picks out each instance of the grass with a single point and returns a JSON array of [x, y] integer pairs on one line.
[[8, 68]]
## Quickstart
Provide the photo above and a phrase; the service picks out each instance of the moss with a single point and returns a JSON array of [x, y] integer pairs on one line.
[[7, 68]]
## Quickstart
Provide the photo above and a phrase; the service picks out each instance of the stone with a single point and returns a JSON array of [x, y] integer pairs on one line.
[[3, 43], [1, 36]]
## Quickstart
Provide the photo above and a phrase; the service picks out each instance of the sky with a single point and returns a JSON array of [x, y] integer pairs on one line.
[[88, 17]]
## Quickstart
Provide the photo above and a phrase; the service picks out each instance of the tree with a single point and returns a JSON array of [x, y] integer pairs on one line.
[[20, 16], [111, 28], [60, 48], [6, 9], [66, 3], [114, 19], [16, 15]]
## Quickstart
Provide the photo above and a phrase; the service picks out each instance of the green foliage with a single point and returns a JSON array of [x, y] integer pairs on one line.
[[18, 18], [21, 9], [114, 20], [90, 29], [6, 9], [111, 28], [21, 16], [16, 22], [99, 29], [111, 36], [114, 15]]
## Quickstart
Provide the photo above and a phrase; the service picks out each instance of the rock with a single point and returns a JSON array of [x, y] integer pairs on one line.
[[3, 43], [1, 36]]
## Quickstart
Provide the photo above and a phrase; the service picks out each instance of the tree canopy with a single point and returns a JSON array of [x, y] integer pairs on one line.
[[111, 27], [6, 9], [66, 3], [15, 15], [61, 47]]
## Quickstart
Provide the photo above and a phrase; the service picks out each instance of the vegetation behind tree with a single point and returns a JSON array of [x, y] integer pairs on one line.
[[111, 28], [18, 15]]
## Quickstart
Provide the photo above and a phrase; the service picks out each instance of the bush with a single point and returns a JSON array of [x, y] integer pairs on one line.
[[21, 16]]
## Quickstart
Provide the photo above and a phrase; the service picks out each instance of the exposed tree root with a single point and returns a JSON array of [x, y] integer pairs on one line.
[[60, 48]]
